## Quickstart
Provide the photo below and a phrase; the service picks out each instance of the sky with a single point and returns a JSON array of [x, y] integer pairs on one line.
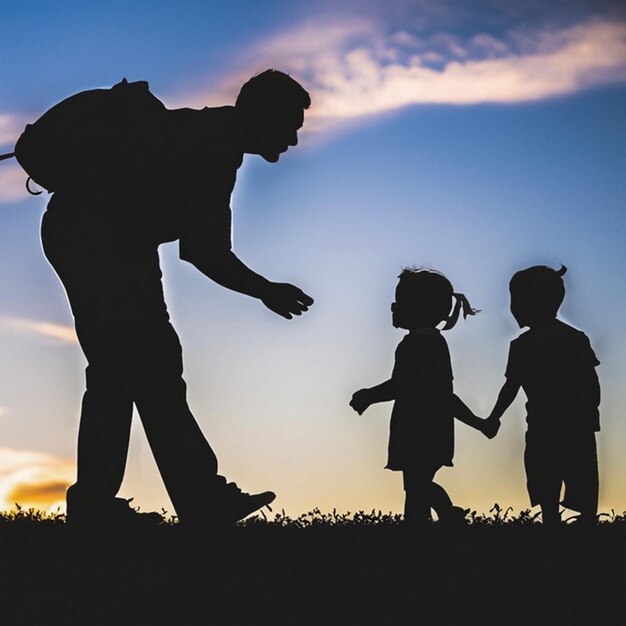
[[477, 138]]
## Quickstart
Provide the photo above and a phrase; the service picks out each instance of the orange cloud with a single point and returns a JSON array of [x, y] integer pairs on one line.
[[33, 479], [56, 332], [39, 495]]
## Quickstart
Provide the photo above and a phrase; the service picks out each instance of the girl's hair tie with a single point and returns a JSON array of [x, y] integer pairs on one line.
[[461, 303]]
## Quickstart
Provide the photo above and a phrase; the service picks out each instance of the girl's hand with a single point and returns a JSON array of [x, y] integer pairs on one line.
[[360, 401], [490, 427]]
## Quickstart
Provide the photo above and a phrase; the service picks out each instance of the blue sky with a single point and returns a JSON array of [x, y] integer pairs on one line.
[[472, 137]]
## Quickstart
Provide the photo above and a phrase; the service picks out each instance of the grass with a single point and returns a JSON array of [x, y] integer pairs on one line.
[[497, 516], [318, 568]]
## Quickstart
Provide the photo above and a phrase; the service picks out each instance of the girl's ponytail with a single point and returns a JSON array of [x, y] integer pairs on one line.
[[461, 303]]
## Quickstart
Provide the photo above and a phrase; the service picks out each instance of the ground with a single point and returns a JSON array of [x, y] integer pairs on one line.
[[319, 569]]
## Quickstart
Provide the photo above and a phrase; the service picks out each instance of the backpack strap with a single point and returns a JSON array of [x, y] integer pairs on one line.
[[30, 191]]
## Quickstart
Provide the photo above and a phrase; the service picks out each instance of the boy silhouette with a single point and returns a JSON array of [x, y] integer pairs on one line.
[[555, 366], [103, 245]]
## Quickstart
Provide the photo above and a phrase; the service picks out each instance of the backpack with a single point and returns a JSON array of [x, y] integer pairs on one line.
[[94, 138]]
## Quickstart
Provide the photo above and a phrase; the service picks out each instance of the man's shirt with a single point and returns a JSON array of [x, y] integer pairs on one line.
[[175, 186]]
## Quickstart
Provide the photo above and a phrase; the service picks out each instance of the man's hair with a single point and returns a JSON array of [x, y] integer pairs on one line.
[[271, 94], [540, 285]]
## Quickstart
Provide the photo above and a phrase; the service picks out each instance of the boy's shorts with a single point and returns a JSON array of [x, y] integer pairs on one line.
[[552, 458]]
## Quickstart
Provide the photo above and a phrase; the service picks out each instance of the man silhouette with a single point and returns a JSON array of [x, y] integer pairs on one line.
[[103, 246]]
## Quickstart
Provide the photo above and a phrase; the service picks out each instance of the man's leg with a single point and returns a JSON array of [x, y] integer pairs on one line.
[[114, 287], [78, 253], [183, 455], [186, 461]]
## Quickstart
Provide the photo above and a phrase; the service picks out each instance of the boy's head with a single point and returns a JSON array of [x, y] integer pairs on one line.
[[423, 299], [536, 294], [271, 106]]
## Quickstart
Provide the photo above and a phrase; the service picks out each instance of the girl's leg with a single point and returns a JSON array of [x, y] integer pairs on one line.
[[440, 500], [550, 515], [442, 504], [417, 497]]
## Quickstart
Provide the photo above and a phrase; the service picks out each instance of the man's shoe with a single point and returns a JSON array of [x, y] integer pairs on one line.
[[239, 505], [114, 513]]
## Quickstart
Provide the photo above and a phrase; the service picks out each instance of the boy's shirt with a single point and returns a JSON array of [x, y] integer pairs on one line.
[[554, 365]]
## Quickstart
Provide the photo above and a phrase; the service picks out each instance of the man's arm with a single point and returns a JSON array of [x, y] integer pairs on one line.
[[228, 270]]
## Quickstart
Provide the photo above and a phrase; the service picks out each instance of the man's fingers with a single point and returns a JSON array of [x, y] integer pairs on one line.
[[304, 299]]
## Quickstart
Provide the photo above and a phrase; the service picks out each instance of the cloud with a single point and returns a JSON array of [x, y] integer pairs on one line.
[[44, 493], [10, 128], [33, 479], [354, 70], [12, 183], [57, 332]]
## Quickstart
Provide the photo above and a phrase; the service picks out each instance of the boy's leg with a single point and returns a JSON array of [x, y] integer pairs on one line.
[[581, 476], [543, 473]]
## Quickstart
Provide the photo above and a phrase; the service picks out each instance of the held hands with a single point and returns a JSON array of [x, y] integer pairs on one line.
[[286, 300], [490, 427], [360, 401]]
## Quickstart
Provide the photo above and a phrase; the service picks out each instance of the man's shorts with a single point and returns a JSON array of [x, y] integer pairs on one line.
[[552, 459]]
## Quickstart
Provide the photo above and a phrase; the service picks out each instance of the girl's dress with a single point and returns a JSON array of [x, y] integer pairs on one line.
[[422, 421]]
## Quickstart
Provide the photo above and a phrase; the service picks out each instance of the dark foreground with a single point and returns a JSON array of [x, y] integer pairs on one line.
[[327, 573]]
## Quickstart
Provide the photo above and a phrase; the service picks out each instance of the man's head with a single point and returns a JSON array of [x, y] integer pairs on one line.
[[271, 106], [536, 294]]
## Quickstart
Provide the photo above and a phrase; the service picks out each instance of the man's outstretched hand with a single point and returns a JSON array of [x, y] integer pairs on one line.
[[286, 300]]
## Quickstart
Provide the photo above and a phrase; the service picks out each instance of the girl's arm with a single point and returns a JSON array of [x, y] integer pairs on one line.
[[363, 398], [462, 412]]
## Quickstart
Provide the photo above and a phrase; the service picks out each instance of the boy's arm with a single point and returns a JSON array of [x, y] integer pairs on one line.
[[363, 398], [505, 399]]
